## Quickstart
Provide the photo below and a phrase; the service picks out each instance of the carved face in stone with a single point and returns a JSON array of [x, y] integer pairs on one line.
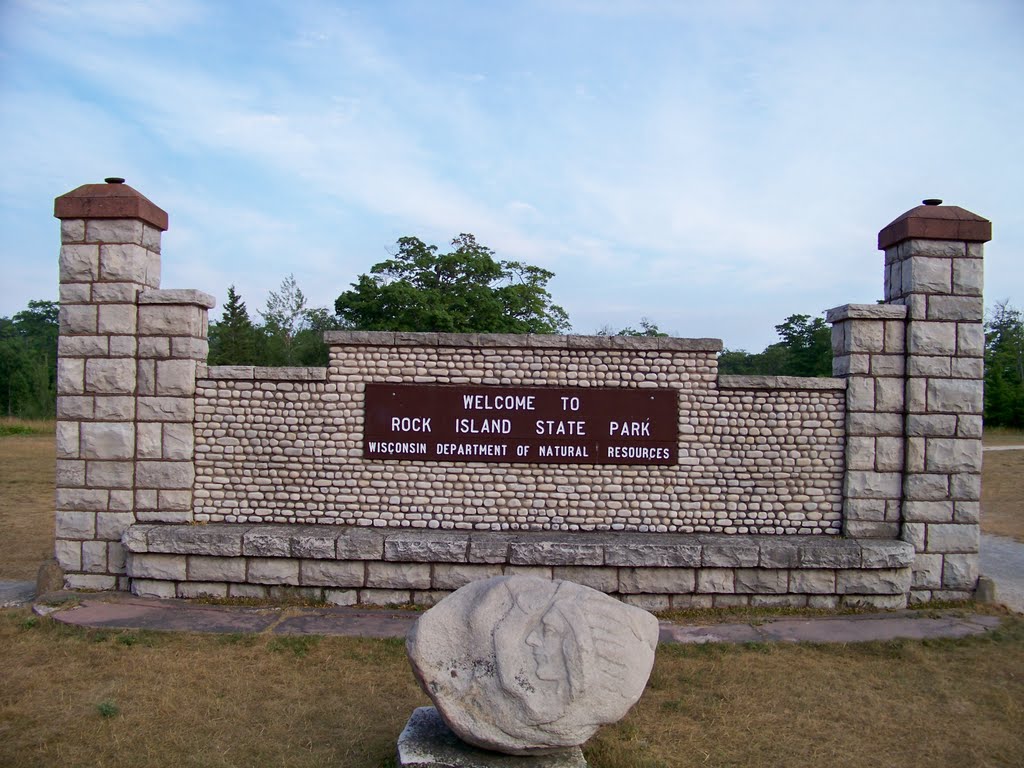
[[538, 653], [525, 665]]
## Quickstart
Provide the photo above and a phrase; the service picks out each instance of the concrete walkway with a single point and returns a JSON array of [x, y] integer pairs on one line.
[[116, 610], [1002, 560], [1003, 448], [15, 593]]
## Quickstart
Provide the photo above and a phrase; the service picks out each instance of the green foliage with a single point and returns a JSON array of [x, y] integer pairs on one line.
[[291, 333], [233, 339], [464, 291], [805, 350], [647, 328], [108, 709], [28, 361], [1004, 367]]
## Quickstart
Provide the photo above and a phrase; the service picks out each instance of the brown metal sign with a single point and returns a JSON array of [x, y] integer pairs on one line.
[[537, 425]]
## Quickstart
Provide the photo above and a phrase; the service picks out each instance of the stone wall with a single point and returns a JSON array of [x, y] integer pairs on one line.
[[758, 455], [178, 479]]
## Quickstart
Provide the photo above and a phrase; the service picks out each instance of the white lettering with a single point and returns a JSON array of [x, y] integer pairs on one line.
[[630, 428], [391, 448], [484, 427], [499, 402], [406, 424], [564, 451], [638, 452], [561, 427], [471, 449]]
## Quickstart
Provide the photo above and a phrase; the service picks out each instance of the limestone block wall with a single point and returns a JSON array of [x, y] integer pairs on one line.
[[756, 455], [868, 351]]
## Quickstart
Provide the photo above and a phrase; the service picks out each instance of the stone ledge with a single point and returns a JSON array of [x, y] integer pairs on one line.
[[625, 582], [519, 341], [256, 373], [866, 312], [145, 587], [780, 382], [188, 296], [527, 548]]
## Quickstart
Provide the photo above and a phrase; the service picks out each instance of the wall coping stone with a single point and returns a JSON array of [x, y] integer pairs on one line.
[[178, 296], [866, 312], [542, 548], [257, 373], [519, 341], [780, 382]]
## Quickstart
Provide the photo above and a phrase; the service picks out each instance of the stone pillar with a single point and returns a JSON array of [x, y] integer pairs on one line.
[[109, 276], [868, 351], [934, 267], [110, 252]]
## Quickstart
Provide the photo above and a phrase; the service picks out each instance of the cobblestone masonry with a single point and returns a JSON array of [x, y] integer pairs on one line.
[[178, 479], [758, 456]]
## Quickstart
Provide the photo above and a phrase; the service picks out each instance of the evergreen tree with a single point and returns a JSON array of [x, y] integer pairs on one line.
[[233, 340], [1004, 367]]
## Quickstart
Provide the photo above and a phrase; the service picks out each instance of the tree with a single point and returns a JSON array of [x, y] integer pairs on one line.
[[282, 320], [1004, 367], [805, 350], [28, 361], [308, 347], [233, 340], [466, 290], [647, 328], [808, 345]]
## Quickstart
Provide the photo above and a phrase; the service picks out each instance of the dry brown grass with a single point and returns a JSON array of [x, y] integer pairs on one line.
[[1002, 494], [1003, 436], [26, 503], [74, 697], [939, 703]]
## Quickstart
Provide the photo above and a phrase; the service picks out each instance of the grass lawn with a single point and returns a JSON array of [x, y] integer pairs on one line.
[[27, 457], [1002, 485], [1003, 436], [76, 697]]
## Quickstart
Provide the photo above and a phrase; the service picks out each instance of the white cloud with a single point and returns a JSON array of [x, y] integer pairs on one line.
[[128, 18], [726, 158]]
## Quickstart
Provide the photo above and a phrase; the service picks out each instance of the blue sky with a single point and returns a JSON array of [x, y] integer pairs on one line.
[[714, 166]]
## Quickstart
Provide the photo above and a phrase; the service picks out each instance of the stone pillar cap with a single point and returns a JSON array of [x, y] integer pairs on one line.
[[932, 221], [113, 200]]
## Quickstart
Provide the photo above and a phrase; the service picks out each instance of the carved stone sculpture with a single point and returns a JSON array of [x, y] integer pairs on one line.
[[524, 665]]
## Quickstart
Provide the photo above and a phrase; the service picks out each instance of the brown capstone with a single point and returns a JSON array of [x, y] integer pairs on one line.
[[109, 201], [936, 222]]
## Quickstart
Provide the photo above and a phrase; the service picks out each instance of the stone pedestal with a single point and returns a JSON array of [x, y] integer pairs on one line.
[[427, 742]]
